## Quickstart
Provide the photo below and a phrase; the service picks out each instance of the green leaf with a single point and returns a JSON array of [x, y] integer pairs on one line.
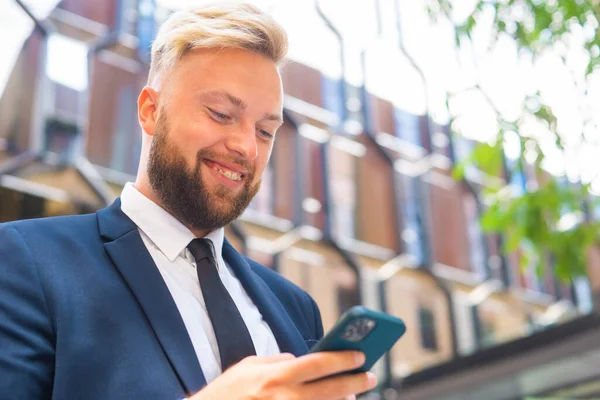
[[593, 63], [545, 114], [489, 158], [514, 241], [458, 172], [490, 219]]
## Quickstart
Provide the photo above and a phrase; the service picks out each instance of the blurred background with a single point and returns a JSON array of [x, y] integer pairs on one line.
[[438, 161]]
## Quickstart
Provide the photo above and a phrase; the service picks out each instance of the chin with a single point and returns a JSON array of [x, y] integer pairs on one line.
[[224, 205]]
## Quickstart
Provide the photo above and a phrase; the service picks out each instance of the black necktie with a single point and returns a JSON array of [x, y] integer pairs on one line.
[[232, 334]]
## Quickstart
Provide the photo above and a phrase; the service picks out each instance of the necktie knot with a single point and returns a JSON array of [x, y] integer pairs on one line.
[[201, 248]]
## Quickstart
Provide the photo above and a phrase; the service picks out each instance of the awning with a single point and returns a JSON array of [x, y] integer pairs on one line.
[[79, 186]]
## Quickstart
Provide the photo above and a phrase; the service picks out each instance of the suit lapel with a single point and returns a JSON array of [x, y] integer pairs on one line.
[[288, 337], [129, 254]]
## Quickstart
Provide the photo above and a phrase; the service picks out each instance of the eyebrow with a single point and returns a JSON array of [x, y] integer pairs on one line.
[[239, 103]]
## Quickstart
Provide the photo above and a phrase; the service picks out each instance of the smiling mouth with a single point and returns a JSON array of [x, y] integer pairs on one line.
[[234, 176], [227, 175]]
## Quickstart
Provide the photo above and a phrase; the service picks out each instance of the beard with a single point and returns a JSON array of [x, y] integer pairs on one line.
[[183, 190]]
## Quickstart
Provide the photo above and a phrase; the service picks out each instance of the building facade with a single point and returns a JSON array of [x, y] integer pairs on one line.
[[358, 204]]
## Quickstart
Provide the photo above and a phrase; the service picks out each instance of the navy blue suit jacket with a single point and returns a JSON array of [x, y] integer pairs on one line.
[[85, 314]]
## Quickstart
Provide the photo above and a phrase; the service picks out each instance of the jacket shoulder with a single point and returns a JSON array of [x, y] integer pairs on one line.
[[48, 222], [50, 228]]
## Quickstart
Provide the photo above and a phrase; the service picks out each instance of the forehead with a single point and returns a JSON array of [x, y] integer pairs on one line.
[[245, 74]]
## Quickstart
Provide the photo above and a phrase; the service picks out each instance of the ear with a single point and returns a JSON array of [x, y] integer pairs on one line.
[[148, 109]]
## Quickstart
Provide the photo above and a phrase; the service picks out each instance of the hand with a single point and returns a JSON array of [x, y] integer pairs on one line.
[[286, 377]]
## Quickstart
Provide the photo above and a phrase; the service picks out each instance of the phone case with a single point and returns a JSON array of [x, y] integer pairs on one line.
[[346, 334]]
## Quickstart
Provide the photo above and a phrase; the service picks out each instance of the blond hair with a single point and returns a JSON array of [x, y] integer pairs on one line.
[[218, 25]]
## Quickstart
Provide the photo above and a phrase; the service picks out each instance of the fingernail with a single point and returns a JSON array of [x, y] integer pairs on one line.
[[359, 358], [372, 379]]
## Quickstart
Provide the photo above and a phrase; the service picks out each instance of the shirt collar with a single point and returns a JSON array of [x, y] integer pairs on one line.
[[164, 230], [216, 237]]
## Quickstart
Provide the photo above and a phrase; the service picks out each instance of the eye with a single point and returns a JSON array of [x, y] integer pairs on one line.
[[218, 115], [265, 134]]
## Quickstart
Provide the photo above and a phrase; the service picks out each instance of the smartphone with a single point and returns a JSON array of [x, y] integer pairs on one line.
[[372, 332]]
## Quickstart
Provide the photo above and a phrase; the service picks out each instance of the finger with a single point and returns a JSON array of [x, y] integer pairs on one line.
[[278, 358], [319, 365], [339, 386], [275, 358]]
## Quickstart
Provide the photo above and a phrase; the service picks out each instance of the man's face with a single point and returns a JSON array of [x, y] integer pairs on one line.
[[213, 135]]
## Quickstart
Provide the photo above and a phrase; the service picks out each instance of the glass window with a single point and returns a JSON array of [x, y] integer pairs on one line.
[[343, 191], [488, 331], [464, 323], [346, 101], [9, 204], [146, 28], [67, 70], [67, 62], [583, 294], [31, 206], [412, 219], [313, 191], [477, 253], [60, 137], [408, 126], [427, 328], [332, 95], [125, 125]]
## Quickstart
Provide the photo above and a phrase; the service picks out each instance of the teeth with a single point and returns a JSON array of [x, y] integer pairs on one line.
[[231, 175]]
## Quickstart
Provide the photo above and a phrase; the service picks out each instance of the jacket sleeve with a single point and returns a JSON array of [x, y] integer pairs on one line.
[[318, 323], [26, 331]]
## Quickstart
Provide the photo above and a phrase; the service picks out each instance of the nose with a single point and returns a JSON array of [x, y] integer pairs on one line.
[[243, 141]]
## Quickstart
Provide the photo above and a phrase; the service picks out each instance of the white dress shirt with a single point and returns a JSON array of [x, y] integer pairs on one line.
[[166, 239]]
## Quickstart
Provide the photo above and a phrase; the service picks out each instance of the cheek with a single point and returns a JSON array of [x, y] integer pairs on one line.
[[195, 137]]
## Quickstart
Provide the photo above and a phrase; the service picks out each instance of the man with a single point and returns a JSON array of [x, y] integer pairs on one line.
[[145, 299]]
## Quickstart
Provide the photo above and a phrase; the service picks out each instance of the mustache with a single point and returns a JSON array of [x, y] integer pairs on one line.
[[227, 158]]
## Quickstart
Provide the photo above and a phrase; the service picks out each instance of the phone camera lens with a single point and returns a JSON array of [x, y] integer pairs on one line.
[[358, 330]]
